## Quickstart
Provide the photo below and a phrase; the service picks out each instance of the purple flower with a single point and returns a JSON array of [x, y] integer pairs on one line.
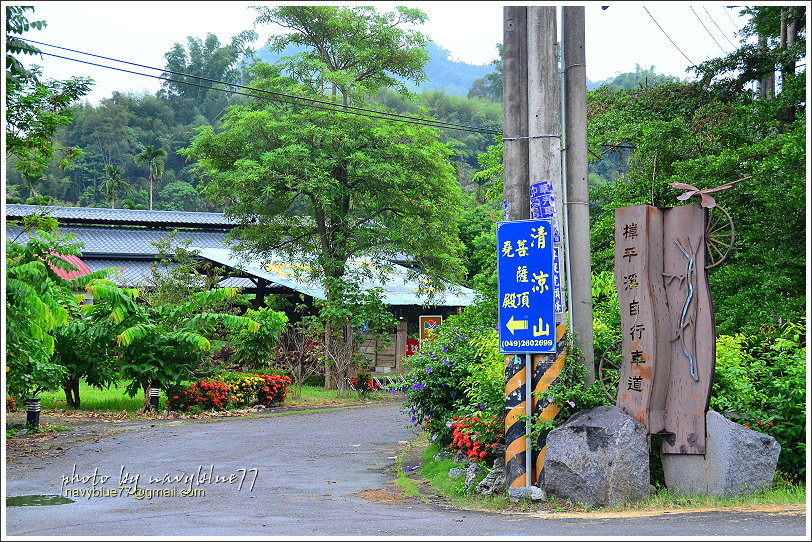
[[409, 469], [434, 437], [550, 399], [481, 407], [442, 383], [454, 343], [445, 349], [428, 369], [413, 420], [448, 424], [418, 386], [446, 361], [572, 403]]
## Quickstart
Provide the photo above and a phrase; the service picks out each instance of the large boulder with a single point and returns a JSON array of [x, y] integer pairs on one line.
[[738, 461], [599, 457]]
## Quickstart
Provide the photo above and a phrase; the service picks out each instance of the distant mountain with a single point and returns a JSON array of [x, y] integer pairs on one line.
[[443, 73]]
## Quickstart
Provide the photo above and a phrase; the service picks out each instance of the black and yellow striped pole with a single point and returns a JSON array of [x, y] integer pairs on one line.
[[546, 368], [516, 452]]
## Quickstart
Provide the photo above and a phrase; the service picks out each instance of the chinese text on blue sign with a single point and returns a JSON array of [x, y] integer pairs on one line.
[[526, 296]]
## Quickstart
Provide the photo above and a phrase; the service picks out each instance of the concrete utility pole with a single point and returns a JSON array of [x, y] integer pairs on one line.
[[517, 207], [579, 269], [514, 58]]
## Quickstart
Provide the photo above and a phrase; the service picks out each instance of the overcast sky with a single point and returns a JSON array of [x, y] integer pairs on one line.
[[617, 38]]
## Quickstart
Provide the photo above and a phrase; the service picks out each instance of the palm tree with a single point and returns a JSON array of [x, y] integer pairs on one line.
[[154, 159], [114, 184]]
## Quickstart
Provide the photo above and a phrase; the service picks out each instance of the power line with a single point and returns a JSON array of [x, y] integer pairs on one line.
[[286, 98], [717, 27], [731, 19], [279, 96], [669, 38], [708, 31]]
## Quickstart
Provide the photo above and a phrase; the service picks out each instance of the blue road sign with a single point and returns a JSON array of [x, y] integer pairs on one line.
[[526, 291]]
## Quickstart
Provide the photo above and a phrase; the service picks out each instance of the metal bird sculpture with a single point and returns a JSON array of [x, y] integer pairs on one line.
[[706, 200]]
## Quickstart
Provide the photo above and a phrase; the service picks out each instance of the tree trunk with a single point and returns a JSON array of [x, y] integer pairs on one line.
[[71, 389]]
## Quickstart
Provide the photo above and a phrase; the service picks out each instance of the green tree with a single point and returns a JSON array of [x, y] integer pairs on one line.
[[36, 301], [353, 51], [367, 187], [490, 87], [114, 184], [180, 196], [707, 133], [203, 62], [85, 345], [162, 343], [35, 110], [154, 159]]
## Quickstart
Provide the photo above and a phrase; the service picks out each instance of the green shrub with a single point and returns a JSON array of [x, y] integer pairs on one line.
[[476, 436], [231, 390], [440, 377], [760, 382], [274, 389], [207, 394], [244, 387]]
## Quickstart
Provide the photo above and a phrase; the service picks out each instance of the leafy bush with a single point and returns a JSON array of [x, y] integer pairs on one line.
[[244, 387], [208, 394], [274, 389], [440, 377], [363, 383], [256, 349], [760, 382], [230, 390], [477, 436]]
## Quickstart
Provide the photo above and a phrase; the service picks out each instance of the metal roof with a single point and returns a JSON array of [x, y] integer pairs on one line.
[[119, 217], [123, 238], [398, 289], [111, 241], [133, 273]]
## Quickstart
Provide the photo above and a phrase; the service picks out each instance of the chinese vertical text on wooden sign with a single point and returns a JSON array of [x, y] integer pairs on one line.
[[668, 343]]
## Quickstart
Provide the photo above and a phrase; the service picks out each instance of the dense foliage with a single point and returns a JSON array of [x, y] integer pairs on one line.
[[760, 382]]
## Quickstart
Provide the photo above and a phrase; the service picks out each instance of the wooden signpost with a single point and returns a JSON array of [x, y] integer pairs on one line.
[[668, 344]]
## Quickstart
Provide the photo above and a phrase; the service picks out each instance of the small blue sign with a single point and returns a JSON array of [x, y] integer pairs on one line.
[[525, 284]]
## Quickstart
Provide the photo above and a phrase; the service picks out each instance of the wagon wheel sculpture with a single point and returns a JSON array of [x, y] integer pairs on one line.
[[719, 230], [719, 236], [609, 370]]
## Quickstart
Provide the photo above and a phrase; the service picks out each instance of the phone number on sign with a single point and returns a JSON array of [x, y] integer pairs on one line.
[[523, 343]]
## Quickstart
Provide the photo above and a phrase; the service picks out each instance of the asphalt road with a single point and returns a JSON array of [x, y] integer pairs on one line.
[[318, 474]]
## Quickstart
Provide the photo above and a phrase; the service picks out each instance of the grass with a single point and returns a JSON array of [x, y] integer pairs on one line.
[[115, 399], [43, 428], [435, 472]]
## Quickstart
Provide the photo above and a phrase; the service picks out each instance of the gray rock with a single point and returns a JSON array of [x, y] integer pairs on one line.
[[460, 457], [456, 473], [528, 492], [443, 454], [738, 461], [599, 457], [495, 481], [470, 474]]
